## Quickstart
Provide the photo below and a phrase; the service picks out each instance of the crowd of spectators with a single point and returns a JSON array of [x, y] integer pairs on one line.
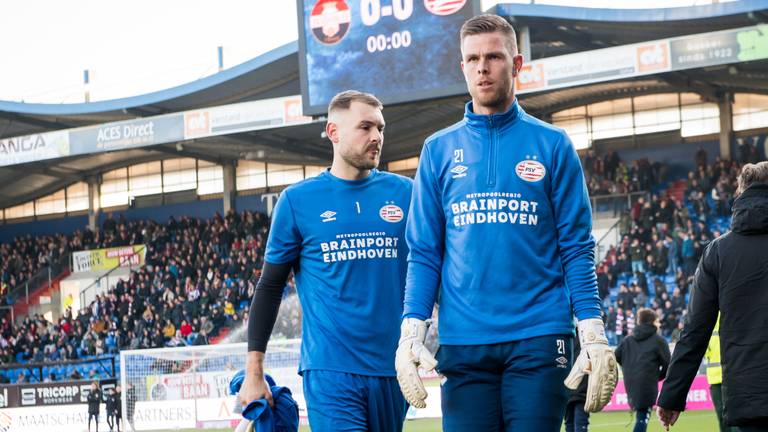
[[198, 278], [25, 256], [607, 174], [661, 240]]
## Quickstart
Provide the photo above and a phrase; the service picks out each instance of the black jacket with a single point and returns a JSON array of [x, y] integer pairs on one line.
[[644, 358], [94, 399], [112, 404], [732, 277]]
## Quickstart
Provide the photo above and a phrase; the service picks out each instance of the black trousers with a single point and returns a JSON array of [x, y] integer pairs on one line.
[[113, 420], [95, 417]]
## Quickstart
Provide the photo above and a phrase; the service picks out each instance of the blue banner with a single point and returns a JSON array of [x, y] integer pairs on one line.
[[127, 134]]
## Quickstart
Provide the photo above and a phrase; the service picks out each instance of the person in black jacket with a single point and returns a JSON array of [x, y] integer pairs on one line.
[[644, 358], [94, 401], [732, 277], [118, 407], [112, 407]]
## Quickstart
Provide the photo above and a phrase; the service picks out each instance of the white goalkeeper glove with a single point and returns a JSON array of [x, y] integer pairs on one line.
[[411, 353], [597, 360]]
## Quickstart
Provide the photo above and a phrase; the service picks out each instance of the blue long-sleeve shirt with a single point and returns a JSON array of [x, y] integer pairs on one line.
[[500, 223], [346, 238]]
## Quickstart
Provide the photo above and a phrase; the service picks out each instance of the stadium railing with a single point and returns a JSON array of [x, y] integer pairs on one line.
[[43, 277]]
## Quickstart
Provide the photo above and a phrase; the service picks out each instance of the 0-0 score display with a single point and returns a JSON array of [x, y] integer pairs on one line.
[[399, 50], [371, 11]]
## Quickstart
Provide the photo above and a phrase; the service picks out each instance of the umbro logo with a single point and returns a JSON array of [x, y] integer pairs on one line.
[[562, 362], [459, 171], [328, 216]]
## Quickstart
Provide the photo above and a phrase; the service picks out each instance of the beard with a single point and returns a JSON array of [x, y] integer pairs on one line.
[[498, 100], [361, 161]]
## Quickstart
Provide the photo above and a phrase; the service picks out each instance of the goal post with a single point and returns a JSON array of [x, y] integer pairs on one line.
[[188, 387]]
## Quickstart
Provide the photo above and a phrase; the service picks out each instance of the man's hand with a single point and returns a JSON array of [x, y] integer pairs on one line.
[[667, 417], [254, 386], [411, 353], [599, 361]]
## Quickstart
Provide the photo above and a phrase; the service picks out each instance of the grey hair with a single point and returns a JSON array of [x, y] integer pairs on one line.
[[752, 174]]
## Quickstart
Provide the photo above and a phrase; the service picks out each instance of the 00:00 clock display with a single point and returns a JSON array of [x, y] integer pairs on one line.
[[382, 42]]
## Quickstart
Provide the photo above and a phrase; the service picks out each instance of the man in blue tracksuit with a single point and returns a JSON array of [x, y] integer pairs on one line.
[[500, 227], [342, 233]]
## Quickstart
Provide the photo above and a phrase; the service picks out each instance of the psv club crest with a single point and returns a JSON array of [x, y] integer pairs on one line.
[[391, 213], [330, 20], [530, 170], [444, 7]]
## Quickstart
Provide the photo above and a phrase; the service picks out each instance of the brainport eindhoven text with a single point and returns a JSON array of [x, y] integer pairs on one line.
[[500, 208], [359, 246]]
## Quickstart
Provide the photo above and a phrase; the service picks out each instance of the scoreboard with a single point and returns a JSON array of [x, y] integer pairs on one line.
[[399, 50]]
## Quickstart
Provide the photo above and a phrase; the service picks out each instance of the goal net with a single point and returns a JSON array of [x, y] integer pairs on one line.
[[188, 387]]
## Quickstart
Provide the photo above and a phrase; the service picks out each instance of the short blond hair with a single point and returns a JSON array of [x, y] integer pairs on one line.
[[489, 23], [752, 174], [343, 100]]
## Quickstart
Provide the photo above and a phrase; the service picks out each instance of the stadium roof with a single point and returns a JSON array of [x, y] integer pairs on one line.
[[558, 30], [554, 31]]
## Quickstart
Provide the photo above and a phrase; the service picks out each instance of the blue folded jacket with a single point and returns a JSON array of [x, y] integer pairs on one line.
[[284, 417]]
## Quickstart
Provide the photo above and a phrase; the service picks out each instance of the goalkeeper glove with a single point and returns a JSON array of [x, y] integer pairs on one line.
[[599, 361], [411, 353]]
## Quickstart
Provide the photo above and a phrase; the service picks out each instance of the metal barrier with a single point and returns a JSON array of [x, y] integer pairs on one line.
[[105, 364], [43, 277], [612, 234], [609, 206]]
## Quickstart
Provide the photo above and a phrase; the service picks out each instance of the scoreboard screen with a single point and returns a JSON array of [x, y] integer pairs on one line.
[[399, 50]]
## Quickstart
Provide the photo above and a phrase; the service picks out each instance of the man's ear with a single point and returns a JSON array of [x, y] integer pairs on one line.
[[517, 62], [332, 131]]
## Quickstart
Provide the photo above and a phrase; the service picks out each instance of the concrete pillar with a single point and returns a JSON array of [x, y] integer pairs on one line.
[[524, 43], [94, 202], [726, 125], [230, 190]]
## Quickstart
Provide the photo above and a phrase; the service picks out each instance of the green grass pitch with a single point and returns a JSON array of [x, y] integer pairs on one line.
[[693, 421]]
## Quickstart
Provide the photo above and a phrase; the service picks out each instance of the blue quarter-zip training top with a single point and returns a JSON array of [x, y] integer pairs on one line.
[[500, 223]]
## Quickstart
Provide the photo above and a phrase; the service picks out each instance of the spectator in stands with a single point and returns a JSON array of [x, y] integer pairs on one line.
[[640, 298], [688, 253], [201, 338], [644, 357], [169, 330], [732, 277], [185, 328], [678, 301], [624, 299], [637, 255], [701, 157], [672, 252], [177, 340], [661, 258], [620, 325]]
